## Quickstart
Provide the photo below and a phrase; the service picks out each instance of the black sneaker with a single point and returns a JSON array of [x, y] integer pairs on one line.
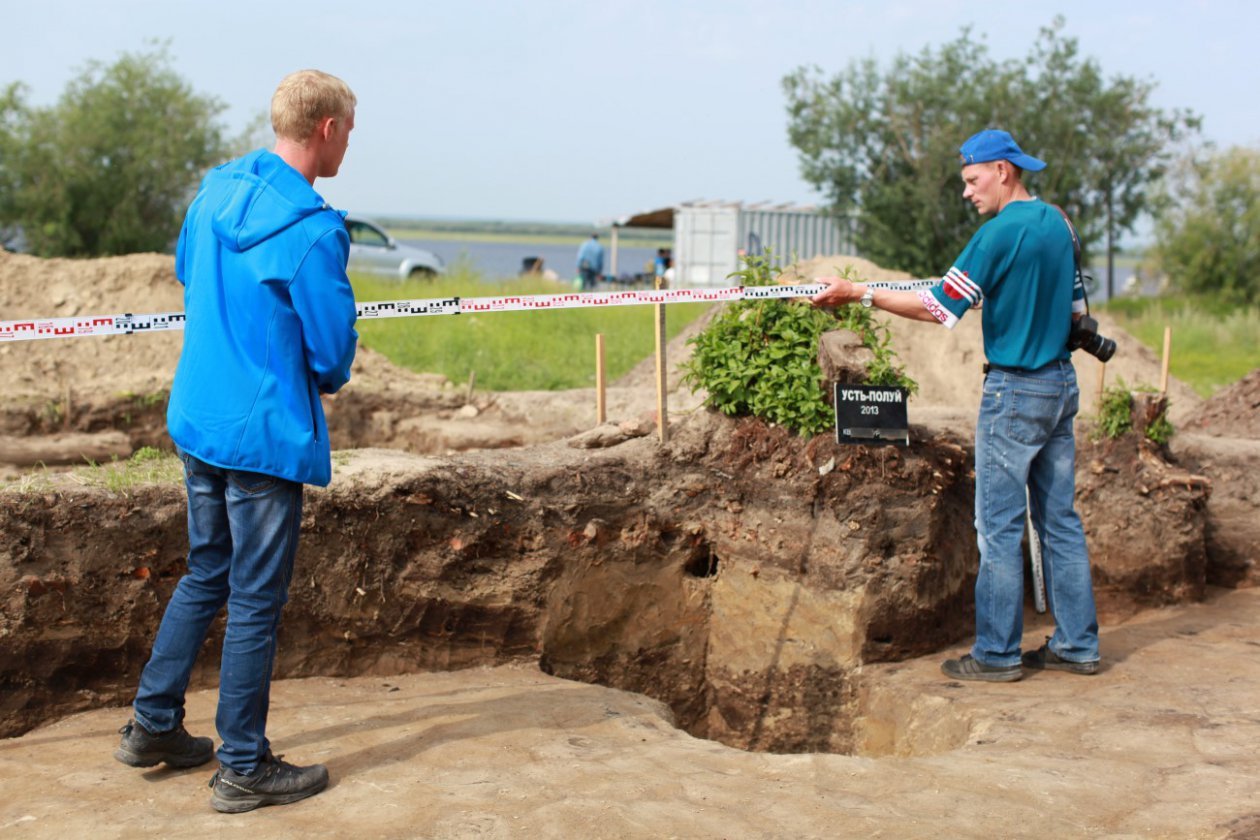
[[142, 748], [1044, 659], [969, 668], [273, 782]]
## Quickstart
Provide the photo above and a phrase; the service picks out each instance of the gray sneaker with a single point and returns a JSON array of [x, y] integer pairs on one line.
[[141, 748], [969, 668], [273, 782], [1044, 659]]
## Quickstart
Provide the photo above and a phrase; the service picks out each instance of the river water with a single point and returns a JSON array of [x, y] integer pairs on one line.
[[500, 259]]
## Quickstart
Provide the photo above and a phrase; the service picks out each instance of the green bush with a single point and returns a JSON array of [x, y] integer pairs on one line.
[[1115, 412], [1115, 416], [760, 357], [111, 167]]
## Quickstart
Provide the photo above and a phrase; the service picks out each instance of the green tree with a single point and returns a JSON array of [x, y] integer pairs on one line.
[[1208, 230], [112, 166], [883, 145]]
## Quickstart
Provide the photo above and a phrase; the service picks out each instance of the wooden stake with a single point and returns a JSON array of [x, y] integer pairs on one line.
[[600, 403], [1163, 370], [662, 417]]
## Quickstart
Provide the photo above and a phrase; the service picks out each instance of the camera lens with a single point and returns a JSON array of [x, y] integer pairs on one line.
[[1084, 336], [1102, 348]]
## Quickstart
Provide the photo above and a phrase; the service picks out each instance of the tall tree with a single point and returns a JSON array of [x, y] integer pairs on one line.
[[882, 145], [1208, 233], [111, 167]]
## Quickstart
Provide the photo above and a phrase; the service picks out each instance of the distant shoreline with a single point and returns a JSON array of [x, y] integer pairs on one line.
[[541, 233]]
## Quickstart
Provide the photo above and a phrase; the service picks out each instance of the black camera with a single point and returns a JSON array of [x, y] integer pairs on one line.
[[1084, 336]]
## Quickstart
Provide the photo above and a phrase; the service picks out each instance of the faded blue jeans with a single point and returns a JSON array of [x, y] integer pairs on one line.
[[1024, 437], [242, 534]]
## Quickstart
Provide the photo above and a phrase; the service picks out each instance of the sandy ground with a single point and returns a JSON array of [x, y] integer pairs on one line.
[[1164, 742]]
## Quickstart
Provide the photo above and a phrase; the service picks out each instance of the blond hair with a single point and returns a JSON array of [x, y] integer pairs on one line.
[[306, 97]]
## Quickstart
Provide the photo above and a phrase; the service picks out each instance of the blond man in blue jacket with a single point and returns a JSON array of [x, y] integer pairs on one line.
[[270, 327]]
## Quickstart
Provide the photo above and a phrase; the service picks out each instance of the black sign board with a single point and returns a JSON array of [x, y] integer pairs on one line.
[[871, 414]]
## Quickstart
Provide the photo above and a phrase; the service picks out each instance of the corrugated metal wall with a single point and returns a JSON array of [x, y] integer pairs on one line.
[[709, 238]]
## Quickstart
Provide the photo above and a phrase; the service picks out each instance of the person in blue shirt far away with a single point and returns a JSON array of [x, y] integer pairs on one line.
[[590, 260]]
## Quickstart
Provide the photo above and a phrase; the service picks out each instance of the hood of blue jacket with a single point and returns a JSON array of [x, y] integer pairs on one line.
[[253, 199]]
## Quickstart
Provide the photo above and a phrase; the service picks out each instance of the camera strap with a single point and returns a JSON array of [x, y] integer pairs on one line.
[[1076, 254]]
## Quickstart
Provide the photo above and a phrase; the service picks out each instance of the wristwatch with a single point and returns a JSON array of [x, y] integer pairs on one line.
[[868, 297]]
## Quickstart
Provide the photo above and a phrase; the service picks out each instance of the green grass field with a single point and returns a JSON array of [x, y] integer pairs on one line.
[[511, 351], [1213, 344]]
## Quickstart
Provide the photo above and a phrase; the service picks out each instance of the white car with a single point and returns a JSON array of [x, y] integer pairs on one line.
[[373, 251]]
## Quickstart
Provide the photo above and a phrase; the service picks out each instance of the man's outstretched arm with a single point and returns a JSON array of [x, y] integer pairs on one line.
[[841, 291]]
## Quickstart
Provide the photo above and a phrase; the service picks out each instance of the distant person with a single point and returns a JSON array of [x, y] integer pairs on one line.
[[270, 327], [590, 260], [1022, 264], [664, 260]]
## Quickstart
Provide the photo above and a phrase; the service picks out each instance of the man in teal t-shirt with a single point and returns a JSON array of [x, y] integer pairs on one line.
[[1020, 268]]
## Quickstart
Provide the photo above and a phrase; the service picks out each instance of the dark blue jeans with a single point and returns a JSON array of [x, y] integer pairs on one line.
[[242, 534], [1024, 437]]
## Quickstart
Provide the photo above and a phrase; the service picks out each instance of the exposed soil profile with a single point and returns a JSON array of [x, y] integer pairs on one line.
[[743, 577]]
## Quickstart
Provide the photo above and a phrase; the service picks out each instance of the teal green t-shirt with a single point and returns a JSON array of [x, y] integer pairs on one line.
[[1020, 267]]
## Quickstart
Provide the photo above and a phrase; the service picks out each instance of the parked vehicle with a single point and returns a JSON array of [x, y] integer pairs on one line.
[[13, 239], [374, 251]]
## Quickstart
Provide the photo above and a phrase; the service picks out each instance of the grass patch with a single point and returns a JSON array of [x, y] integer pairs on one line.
[[511, 351], [1213, 344], [145, 466]]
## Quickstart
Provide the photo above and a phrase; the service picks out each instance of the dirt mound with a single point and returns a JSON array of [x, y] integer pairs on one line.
[[1234, 411], [55, 384], [88, 368]]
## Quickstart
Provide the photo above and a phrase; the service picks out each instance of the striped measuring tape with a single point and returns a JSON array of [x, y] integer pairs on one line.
[[34, 329]]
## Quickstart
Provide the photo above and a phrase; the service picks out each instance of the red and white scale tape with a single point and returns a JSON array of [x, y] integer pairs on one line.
[[33, 329]]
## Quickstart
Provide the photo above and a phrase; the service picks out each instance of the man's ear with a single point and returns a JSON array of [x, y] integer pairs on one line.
[[325, 128]]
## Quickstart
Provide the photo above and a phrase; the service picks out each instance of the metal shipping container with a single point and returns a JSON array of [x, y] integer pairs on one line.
[[710, 236]]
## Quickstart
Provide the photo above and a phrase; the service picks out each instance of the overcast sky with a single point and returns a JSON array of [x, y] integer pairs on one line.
[[584, 111]]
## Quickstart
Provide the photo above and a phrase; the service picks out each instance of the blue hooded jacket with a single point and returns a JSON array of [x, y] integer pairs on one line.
[[270, 321]]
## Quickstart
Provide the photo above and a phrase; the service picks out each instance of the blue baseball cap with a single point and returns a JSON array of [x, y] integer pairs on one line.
[[994, 144]]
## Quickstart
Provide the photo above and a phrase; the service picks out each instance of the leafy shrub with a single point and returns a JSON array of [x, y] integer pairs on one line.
[[1115, 416], [760, 357], [1115, 412]]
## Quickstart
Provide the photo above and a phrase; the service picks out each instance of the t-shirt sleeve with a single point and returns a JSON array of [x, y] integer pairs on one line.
[[961, 287]]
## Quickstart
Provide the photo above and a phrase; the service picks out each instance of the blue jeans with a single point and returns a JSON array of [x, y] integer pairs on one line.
[[1024, 437], [242, 535]]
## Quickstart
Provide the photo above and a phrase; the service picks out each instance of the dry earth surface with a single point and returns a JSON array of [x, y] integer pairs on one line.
[[842, 582]]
